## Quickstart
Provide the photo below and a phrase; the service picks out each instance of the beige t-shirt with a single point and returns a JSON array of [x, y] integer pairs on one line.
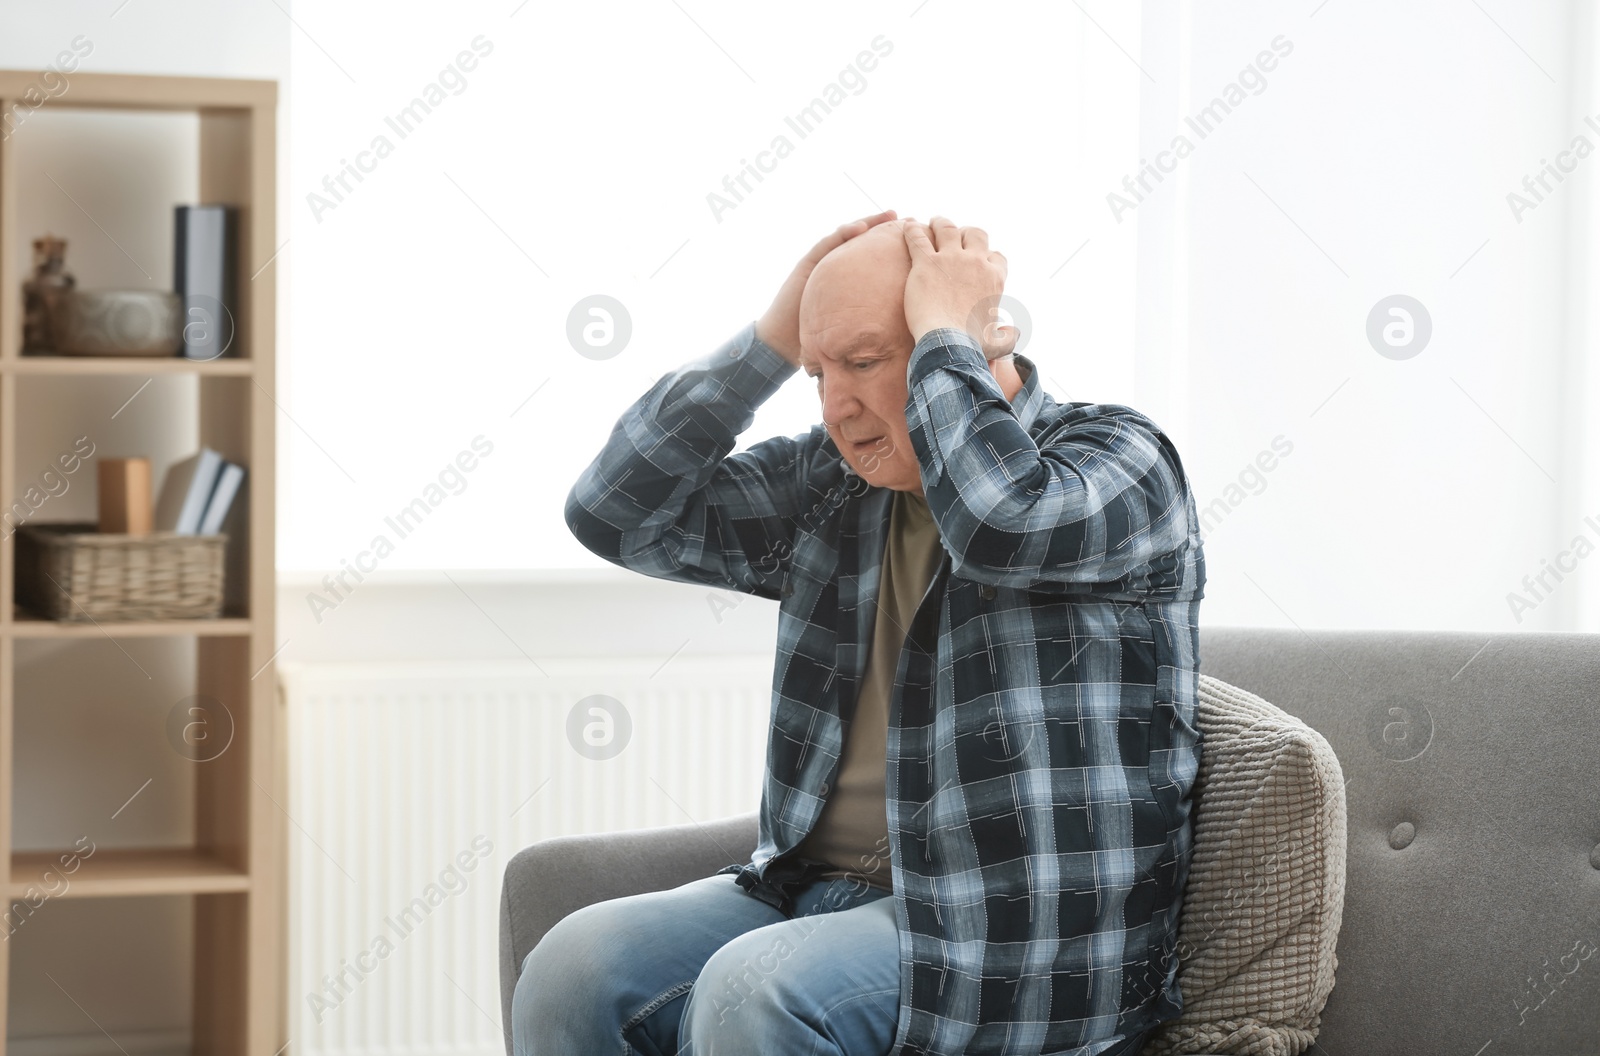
[[853, 829]]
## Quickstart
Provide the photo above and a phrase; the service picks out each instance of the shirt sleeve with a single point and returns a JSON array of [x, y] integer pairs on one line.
[[1099, 503], [665, 498]]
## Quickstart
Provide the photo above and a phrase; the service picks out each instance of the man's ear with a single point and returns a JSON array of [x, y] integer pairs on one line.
[[999, 339]]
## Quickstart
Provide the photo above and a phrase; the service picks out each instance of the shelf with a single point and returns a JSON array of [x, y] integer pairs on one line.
[[128, 871], [121, 91], [25, 625], [50, 683], [102, 365]]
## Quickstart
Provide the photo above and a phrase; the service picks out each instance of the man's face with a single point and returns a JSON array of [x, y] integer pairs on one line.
[[854, 342]]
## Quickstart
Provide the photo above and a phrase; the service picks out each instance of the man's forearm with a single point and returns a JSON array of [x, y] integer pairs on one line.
[[666, 446], [1107, 502]]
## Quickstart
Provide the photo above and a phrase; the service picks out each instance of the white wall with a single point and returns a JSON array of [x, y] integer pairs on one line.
[[1414, 492], [432, 290], [1377, 161], [77, 760]]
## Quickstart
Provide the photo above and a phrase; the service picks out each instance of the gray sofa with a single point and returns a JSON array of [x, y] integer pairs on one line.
[[1472, 909]]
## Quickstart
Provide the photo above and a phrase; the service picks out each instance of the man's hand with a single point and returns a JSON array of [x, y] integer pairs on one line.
[[956, 281], [779, 328]]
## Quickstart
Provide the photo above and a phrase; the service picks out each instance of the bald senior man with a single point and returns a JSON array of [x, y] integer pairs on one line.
[[975, 820]]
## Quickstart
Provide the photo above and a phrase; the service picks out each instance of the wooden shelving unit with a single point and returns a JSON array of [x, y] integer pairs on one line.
[[219, 368], [159, 871], [234, 867]]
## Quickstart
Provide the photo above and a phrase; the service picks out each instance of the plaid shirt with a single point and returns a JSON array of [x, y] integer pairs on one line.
[[1042, 741]]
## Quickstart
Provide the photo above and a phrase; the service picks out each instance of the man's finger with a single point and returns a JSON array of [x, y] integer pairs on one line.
[[917, 239], [870, 221], [999, 258], [974, 238], [945, 233]]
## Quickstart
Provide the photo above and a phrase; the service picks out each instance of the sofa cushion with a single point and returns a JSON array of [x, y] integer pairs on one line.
[[1265, 890]]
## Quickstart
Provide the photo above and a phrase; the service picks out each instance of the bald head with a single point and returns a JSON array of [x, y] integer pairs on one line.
[[855, 342], [857, 292]]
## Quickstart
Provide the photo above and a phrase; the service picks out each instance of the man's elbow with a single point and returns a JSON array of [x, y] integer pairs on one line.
[[598, 537], [1129, 536]]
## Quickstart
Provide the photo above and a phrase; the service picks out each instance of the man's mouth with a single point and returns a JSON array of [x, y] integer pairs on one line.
[[861, 445]]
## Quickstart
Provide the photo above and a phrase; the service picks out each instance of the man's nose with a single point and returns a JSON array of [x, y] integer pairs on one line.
[[838, 402]]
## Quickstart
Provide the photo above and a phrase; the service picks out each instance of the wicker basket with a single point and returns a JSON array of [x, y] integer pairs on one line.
[[73, 573]]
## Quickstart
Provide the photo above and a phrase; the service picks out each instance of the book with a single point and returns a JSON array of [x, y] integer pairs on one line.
[[222, 497], [124, 496], [185, 492], [203, 277]]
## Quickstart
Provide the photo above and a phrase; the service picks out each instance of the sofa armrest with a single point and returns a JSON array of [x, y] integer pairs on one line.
[[552, 878]]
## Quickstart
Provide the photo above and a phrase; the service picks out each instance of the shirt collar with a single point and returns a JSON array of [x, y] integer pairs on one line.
[[1029, 400]]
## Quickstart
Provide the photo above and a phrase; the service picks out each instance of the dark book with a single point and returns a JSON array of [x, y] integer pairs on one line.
[[205, 279]]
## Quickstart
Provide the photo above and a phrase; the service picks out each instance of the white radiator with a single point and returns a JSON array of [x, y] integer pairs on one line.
[[404, 775]]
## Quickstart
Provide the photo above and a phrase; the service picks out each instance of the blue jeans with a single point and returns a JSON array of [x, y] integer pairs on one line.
[[707, 968]]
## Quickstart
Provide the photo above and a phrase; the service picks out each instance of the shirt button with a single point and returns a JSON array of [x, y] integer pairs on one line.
[[823, 791], [988, 592]]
